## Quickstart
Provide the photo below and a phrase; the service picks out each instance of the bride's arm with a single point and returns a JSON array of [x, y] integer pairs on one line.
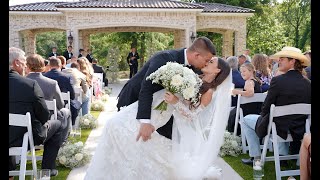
[[183, 107]]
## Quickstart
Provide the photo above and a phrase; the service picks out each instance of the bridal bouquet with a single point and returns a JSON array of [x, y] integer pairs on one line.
[[231, 145], [73, 155], [176, 78]]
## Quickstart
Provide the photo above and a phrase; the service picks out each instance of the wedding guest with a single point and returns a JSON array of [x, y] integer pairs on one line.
[[305, 157], [99, 69], [308, 69], [246, 52], [89, 55], [263, 72], [81, 53], [72, 59], [51, 90], [63, 62], [25, 95], [289, 88], [54, 52], [241, 60], [68, 53], [132, 60]]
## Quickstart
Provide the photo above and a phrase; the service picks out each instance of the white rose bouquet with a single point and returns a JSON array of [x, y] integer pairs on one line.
[[97, 105], [231, 145], [73, 155], [88, 122], [176, 78]]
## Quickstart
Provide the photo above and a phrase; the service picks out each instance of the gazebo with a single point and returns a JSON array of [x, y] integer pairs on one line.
[[82, 18]]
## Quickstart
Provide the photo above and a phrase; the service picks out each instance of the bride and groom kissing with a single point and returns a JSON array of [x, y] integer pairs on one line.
[[182, 142]]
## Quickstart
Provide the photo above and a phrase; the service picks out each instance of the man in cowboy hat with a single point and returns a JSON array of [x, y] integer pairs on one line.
[[289, 88]]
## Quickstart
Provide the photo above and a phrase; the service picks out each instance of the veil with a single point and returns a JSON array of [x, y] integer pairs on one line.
[[196, 143]]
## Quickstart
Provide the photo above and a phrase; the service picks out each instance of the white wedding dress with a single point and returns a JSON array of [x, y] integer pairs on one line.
[[190, 155]]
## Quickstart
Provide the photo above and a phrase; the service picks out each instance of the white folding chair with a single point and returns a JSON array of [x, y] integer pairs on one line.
[[257, 97], [52, 105], [23, 121], [99, 77], [78, 94], [277, 111], [66, 97]]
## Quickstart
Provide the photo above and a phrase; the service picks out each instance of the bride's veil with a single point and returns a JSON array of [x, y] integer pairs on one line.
[[196, 143]]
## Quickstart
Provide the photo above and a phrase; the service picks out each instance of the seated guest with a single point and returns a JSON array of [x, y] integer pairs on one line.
[[72, 59], [305, 158], [242, 59], [51, 90], [288, 88], [308, 69], [252, 85], [261, 64], [63, 62], [65, 84], [99, 69], [25, 95]]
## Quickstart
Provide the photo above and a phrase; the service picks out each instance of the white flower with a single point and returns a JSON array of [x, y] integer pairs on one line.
[[79, 156], [86, 122], [79, 144], [177, 80], [234, 143], [188, 93], [62, 160]]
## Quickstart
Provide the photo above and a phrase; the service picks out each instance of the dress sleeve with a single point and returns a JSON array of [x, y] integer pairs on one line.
[[184, 110]]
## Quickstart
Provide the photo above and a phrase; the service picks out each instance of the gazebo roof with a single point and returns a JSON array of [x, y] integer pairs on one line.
[[157, 4]]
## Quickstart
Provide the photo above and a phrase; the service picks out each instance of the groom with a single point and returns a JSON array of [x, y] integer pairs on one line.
[[138, 88]]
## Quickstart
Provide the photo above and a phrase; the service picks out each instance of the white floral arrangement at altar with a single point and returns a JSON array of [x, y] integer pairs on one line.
[[231, 145], [97, 105], [176, 78], [73, 155], [88, 122]]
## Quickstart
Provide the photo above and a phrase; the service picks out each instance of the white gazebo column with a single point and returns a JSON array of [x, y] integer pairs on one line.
[[227, 48], [188, 33], [29, 42], [240, 42], [76, 45]]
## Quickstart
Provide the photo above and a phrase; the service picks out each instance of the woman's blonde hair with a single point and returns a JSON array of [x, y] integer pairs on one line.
[[261, 64], [251, 68], [35, 63]]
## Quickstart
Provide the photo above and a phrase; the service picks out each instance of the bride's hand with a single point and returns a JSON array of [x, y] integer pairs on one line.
[[170, 98]]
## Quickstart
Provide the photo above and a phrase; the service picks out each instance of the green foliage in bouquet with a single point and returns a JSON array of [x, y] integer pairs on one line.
[[231, 145], [88, 122], [97, 105], [107, 90], [73, 155]]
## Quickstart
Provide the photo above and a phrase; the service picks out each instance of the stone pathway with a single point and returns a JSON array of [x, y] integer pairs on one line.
[[110, 108]]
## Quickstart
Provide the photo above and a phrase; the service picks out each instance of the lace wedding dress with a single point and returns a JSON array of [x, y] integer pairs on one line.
[[119, 156]]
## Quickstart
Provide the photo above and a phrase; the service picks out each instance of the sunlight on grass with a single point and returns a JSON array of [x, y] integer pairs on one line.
[[63, 171]]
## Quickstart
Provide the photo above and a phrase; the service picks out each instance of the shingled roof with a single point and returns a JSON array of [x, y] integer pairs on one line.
[[159, 4]]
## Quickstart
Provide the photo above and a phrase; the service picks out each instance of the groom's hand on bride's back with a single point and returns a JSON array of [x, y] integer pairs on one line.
[[146, 129]]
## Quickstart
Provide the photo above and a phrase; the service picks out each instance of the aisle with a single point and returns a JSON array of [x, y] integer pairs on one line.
[[110, 108]]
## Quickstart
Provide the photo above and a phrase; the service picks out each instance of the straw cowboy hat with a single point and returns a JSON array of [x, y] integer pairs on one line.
[[294, 53]]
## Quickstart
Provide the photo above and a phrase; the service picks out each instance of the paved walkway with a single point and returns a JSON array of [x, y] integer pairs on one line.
[[110, 108]]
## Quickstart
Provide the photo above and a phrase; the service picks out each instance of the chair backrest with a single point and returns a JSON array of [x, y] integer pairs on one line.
[[78, 93], [66, 97], [23, 121], [99, 78], [52, 105], [257, 97]]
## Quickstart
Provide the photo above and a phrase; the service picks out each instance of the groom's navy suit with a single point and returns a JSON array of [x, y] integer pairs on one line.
[[138, 88]]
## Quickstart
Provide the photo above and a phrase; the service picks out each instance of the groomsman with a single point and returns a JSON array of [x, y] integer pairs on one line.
[[138, 88], [68, 53], [54, 52]]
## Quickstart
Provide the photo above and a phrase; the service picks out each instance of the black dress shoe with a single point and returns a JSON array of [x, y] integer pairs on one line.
[[54, 172], [247, 161]]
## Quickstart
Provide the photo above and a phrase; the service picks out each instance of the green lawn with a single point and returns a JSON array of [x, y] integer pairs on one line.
[[63, 171], [246, 171]]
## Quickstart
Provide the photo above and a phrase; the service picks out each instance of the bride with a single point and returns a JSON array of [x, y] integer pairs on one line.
[[197, 135]]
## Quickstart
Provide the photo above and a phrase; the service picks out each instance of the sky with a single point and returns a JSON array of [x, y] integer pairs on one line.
[[16, 2]]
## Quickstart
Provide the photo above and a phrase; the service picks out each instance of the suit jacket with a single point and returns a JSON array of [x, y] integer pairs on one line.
[[99, 69], [25, 95], [49, 88], [66, 55], [238, 82], [64, 81], [134, 62], [89, 57], [285, 89], [139, 88], [51, 54]]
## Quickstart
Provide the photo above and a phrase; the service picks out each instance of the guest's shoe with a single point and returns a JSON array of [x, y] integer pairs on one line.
[[247, 161], [54, 172]]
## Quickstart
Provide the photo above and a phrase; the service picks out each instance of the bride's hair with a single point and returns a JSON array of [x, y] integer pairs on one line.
[[221, 76]]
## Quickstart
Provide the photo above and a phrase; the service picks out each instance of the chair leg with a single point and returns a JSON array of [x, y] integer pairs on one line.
[[276, 153]]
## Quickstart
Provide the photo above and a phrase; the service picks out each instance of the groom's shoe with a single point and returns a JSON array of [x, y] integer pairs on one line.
[[248, 161]]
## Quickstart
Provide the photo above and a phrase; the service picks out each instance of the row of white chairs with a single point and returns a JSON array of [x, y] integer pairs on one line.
[[271, 140]]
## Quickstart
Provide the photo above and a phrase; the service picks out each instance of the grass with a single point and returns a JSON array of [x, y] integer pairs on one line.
[[246, 171], [63, 171]]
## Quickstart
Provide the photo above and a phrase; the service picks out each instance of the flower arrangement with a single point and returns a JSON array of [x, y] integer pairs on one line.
[[176, 78], [105, 97], [107, 90], [73, 155], [97, 105], [88, 122], [231, 145]]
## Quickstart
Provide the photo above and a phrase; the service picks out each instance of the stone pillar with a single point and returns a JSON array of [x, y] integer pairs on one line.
[[86, 41], [240, 42], [15, 39], [29, 42], [227, 48], [179, 39], [188, 33], [76, 43]]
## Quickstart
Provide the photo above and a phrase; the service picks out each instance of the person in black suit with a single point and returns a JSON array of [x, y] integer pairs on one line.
[[68, 53], [25, 95], [81, 53], [89, 55], [132, 60], [138, 88], [99, 69], [54, 52], [289, 88]]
